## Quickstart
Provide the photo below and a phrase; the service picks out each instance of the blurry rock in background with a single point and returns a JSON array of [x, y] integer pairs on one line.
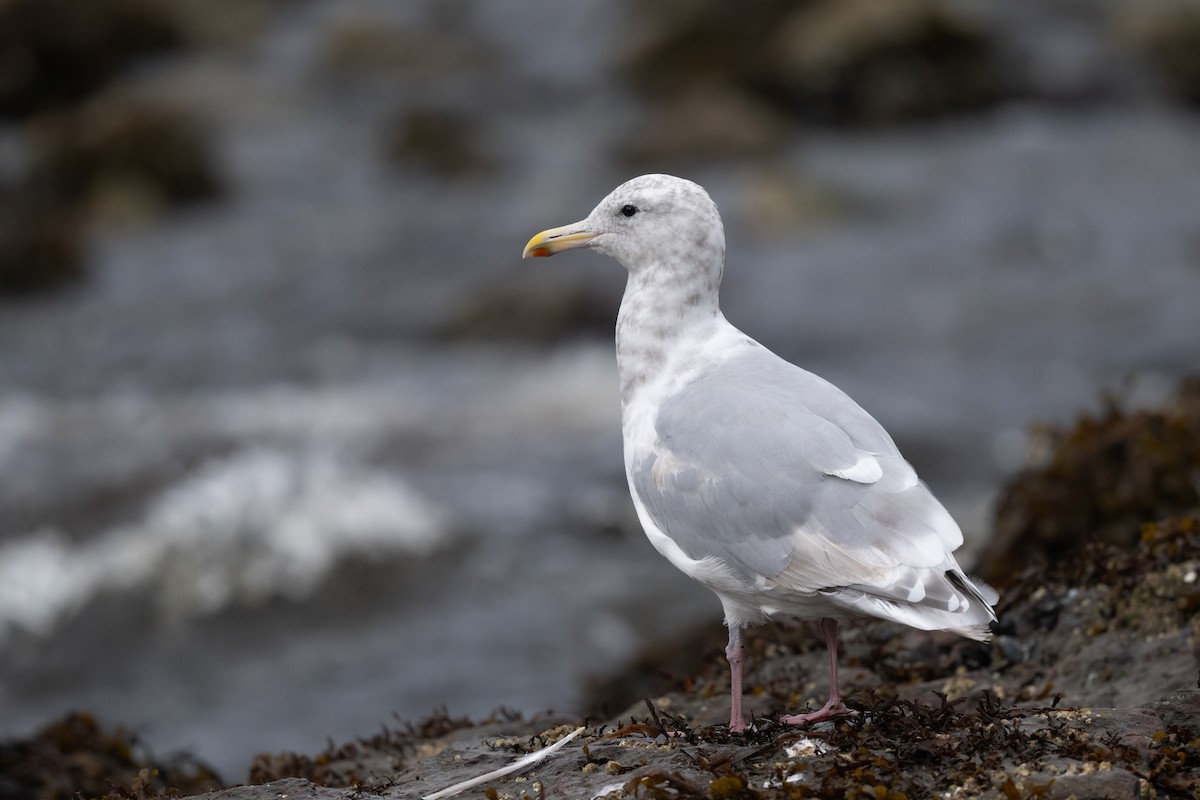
[[1103, 479], [41, 244], [75, 756], [123, 157], [877, 62], [90, 154], [56, 52], [113, 159], [1168, 35], [219, 22], [866, 62], [533, 308], [705, 120], [447, 143], [722, 80], [779, 200], [366, 44], [697, 42]]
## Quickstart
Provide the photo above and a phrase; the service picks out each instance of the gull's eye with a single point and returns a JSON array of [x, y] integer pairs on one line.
[[629, 210]]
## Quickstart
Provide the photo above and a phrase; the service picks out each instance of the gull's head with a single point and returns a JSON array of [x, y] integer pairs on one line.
[[650, 221]]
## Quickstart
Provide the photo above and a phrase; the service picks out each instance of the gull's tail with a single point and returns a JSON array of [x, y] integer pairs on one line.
[[934, 600]]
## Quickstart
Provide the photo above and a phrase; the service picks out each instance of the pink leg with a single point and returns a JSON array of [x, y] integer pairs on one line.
[[734, 653], [834, 708]]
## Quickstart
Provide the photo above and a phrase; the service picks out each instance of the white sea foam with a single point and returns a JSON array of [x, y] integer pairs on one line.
[[259, 524], [289, 505]]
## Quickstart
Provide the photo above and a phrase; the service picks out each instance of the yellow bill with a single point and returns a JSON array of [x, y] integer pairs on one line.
[[555, 240]]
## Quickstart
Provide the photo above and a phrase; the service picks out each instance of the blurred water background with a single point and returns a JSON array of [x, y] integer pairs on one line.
[[292, 442]]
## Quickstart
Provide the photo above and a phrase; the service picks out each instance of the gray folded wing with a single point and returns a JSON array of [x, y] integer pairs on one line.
[[782, 476]]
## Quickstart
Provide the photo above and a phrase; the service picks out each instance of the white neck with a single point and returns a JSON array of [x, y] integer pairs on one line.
[[663, 313]]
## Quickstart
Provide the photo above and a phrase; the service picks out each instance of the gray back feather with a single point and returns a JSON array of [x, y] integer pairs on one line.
[[746, 469]]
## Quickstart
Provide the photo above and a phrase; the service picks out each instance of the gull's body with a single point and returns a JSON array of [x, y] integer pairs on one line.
[[764, 482]]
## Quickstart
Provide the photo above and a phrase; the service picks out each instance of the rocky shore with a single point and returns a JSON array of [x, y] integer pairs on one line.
[[1091, 688]]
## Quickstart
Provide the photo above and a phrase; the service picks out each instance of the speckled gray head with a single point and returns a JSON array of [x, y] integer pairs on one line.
[[656, 221]]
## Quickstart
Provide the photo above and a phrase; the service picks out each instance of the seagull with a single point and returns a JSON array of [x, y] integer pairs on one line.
[[760, 480]]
